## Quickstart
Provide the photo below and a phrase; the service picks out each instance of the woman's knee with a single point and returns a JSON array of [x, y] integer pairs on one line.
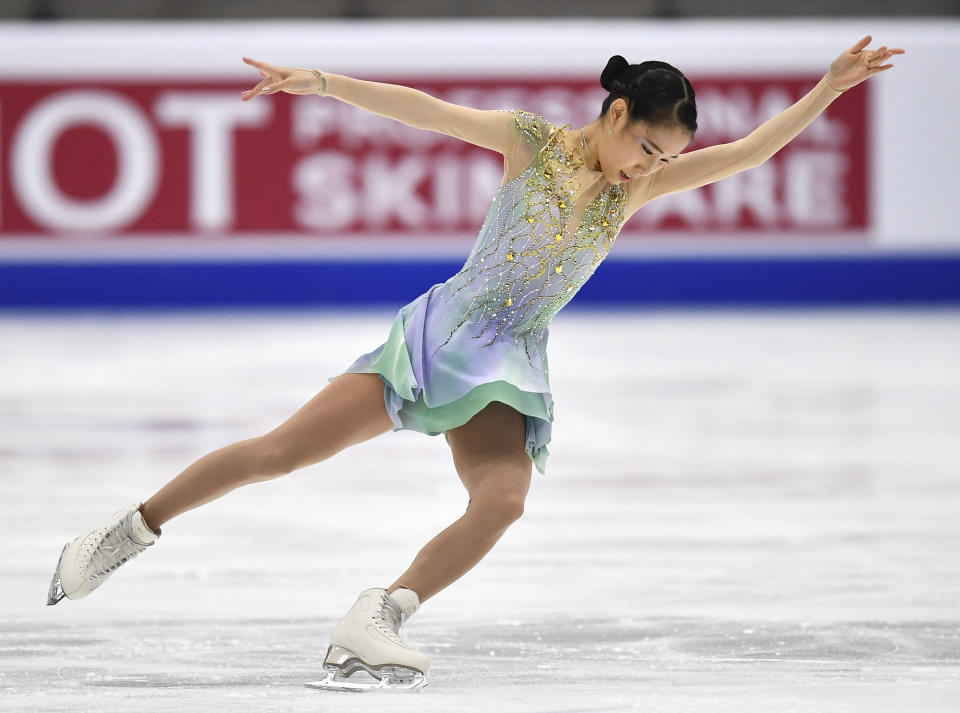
[[499, 508]]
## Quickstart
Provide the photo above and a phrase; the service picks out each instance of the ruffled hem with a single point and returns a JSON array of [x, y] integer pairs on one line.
[[405, 399], [416, 416]]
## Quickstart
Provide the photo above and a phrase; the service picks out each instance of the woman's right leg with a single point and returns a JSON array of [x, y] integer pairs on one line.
[[347, 411]]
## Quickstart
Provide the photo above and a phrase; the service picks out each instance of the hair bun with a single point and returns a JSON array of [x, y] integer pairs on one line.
[[616, 66]]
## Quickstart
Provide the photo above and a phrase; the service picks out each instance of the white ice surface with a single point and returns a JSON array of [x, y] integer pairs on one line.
[[749, 512]]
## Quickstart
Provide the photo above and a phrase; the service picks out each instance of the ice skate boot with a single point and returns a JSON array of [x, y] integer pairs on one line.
[[365, 649], [86, 562]]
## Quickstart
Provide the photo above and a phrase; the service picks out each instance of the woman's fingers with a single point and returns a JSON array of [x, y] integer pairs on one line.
[[266, 70], [886, 54], [251, 93], [861, 44], [875, 59], [876, 54], [270, 84], [277, 86], [872, 58], [259, 65]]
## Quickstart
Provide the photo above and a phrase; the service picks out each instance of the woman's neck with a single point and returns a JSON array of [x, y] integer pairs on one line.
[[590, 135]]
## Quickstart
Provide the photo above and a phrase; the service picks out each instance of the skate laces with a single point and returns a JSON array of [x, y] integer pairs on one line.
[[388, 619], [116, 547]]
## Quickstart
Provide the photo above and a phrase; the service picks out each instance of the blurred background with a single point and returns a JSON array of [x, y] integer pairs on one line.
[[131, 174], [154, 9]]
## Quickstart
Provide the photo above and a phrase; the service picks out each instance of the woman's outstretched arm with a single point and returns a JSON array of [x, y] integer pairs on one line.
[[710, 164], [492, 129]]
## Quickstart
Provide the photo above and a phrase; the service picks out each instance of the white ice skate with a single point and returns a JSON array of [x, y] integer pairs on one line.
[[365, 649], [86, 562]]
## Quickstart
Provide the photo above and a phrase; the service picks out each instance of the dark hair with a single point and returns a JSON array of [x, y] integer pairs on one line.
[[657, 93]]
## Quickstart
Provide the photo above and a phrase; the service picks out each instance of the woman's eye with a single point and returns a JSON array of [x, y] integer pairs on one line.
[[646, 149]]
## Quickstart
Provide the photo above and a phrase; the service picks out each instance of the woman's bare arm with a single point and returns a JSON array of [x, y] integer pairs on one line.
[[704, 166], [492, 129]]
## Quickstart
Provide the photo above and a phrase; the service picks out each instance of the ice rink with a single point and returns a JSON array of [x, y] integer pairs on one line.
[[743, 511]]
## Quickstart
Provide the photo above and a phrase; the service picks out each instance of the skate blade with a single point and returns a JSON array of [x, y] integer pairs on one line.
[[358, 683], [56, 593], [347, 672]]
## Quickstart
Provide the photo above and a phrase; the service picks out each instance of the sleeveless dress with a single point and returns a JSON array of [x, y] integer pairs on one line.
[[482, 335]]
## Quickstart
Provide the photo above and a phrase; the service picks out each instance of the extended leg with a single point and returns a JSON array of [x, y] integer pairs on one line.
[[347, 411]]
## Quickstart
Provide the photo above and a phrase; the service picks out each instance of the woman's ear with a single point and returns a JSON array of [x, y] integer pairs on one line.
[[618, 110]]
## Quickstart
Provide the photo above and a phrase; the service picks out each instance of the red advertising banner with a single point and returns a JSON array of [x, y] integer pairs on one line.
[[115, 159]]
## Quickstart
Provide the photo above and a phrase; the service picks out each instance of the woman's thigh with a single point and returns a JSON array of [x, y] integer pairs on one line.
[[349, 410], [489, 453]]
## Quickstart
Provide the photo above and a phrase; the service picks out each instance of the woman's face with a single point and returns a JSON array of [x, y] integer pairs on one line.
[[636, 149]]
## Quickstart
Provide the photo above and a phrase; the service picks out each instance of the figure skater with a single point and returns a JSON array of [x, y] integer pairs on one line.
[[467, 358]]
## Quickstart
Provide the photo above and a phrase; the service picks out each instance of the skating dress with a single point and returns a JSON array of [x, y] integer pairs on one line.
[[482, 335]]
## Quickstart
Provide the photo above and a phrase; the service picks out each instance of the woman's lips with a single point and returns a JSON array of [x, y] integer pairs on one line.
[[624, 177]]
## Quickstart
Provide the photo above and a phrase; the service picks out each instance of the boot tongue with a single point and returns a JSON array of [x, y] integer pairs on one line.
[[407, 600]]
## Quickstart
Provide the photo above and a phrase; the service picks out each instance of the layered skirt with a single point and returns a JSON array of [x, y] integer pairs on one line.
[[436, 379]]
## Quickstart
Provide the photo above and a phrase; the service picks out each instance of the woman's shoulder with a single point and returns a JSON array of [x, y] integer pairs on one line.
[[535, 127]]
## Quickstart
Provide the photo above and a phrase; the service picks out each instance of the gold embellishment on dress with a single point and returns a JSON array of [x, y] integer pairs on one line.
[[531, 213]]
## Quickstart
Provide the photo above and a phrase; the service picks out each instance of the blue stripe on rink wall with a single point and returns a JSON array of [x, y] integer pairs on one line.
[[694, 282]]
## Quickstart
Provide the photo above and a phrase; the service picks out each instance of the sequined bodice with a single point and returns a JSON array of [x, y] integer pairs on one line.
[[542, 239]]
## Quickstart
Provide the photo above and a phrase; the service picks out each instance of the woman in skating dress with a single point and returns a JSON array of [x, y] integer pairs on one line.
[[467, 358]]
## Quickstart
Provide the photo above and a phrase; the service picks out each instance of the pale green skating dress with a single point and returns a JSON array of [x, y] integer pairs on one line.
[[482, 335]]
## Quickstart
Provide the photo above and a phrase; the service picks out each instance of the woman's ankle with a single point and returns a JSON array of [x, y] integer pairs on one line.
[[146, 517]]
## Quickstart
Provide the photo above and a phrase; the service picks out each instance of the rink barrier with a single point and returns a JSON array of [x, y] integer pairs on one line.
[[891, 279]]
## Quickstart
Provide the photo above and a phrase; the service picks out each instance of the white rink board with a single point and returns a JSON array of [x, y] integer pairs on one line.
[[913, 156], [770, 529]]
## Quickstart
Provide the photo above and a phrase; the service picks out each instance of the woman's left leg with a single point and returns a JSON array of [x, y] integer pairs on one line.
[[489, 455]]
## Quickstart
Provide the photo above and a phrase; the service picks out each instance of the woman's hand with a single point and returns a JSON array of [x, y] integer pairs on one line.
[[855, 65], [282, 79]]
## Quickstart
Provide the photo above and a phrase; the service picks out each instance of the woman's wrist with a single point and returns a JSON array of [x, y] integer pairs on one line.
[[826, 80], [322, 91]]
